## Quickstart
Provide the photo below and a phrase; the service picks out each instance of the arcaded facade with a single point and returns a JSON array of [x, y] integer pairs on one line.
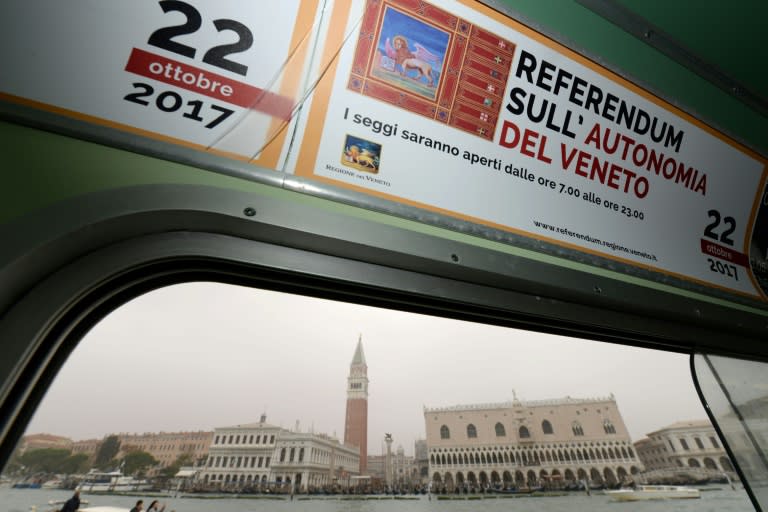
[[261, 456], [241, 455], [529, 443], [689, 445]]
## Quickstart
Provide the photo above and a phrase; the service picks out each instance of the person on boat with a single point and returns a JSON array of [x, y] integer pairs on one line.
[[72, 503], [155, 507], [139, 506]]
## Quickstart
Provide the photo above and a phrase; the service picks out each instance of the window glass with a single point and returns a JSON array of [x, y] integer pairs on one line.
[[204, 369], [736, 392]]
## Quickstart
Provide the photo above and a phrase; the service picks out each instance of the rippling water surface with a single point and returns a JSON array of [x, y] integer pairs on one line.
[[713, 500]]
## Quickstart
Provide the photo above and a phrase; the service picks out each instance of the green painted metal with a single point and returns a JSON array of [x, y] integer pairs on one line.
[[81, 167], [727, 35], [730, 36], [42, 168]]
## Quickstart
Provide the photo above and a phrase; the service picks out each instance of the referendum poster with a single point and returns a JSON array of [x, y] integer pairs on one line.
[[452, 107], [447, 106]]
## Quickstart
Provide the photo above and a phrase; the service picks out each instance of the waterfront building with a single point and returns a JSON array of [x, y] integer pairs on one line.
[[41, 441], [166, 447], [314, 461], [241, 455], [396, 470], [377, 468], [87, 447], [405, 473], [356, 419], [260, 456], [746, 430], [687, 451], [529, 443]]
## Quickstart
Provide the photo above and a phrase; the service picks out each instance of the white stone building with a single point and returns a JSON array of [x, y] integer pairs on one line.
[[260, 456], [527, 443], [686, 447], [241, 455], [747, 436], [314, 461]]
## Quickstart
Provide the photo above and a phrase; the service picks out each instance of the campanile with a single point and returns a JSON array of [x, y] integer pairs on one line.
[[356, 423]]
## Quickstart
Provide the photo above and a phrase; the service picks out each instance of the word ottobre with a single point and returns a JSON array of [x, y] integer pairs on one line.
[[197, 78]]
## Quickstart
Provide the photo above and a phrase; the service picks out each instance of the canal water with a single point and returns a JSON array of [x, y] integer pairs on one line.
[[714, 499]]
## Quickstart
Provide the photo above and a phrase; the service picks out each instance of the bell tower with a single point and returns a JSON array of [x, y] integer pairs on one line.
[[356, 422]]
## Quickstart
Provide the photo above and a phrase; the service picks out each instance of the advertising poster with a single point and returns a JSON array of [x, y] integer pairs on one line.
[[212, 76], [453, 107]]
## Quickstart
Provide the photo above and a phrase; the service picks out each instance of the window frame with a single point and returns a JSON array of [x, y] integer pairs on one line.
[[75, 271]]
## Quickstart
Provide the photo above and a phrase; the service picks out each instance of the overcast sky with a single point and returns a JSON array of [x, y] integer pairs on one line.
[[202, 355]]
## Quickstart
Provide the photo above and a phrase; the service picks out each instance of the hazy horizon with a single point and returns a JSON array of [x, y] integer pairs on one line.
[[199, 356]]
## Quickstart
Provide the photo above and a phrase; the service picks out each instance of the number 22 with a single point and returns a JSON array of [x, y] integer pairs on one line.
[[725, 236], [216, 56]]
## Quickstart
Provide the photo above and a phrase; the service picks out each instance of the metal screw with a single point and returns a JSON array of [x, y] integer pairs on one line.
[[249, 212], [598, 289], [454, 258]]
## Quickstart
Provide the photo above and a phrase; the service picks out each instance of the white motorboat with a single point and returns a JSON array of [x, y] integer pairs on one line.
[[53, 484], [113, 481], [654, 492]]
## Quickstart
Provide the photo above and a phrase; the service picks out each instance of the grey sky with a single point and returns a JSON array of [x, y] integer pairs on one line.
[[202, 355]]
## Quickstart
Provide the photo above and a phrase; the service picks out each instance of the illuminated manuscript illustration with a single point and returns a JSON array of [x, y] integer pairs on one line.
[[421, 58], [408, 64]]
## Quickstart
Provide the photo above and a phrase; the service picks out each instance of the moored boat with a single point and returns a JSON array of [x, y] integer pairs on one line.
[[654, 492], [27, 485], [113, 481], [53, 484]]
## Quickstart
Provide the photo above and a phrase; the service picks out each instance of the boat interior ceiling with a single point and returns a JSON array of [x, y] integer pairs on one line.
[[94, 213]]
